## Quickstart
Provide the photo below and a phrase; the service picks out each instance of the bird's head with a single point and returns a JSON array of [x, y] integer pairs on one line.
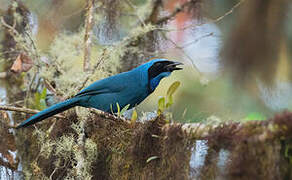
[[157, 69]]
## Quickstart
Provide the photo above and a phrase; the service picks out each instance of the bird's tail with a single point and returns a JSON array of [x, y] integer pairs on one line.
[[55, 109]]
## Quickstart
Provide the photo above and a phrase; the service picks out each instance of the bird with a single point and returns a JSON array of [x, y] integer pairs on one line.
[[126, 88]]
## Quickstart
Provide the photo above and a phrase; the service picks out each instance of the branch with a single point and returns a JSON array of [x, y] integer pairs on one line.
[[88, 34], [24, 110], [50, 87], [108, 116], [259, 131]]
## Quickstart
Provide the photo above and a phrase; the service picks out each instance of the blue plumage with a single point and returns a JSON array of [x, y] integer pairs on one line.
[[130, 87]]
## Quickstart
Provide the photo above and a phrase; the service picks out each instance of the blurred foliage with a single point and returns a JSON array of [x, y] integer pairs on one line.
[[40, 100], [287, 153], [255, 116], [171, 90]]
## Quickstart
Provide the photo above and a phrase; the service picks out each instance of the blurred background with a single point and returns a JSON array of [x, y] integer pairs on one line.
[[236, 53]]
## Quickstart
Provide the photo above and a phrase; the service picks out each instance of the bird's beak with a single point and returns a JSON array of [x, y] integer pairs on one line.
[[173, 66]]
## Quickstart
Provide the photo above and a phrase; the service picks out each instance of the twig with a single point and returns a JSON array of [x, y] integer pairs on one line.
[[28, 91], [16, 103], [88, 34], [108, 116], [11, 28], [228, 12], [49, 86], [34, 47], [160, 52], [51, 176], [217, 19], [182, 50], [136, 13], [196, 40], [24, 110], [152, 18], [101, 59]]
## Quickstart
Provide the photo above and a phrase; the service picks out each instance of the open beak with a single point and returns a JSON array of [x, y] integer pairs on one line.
[[173, 66]]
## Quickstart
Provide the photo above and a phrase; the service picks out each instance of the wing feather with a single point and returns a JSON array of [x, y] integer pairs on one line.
[[111, 84]]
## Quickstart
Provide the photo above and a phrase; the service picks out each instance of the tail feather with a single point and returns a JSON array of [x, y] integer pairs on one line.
[[55, 109]]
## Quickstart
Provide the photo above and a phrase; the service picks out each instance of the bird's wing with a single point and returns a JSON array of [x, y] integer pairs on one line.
[[108, 85]]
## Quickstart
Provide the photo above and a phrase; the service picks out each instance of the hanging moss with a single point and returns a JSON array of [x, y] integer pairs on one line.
[[113, 148]]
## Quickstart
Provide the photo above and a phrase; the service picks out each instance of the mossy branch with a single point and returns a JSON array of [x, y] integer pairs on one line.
[[88, 34], [277, 127], [25, 110], [121, 146]]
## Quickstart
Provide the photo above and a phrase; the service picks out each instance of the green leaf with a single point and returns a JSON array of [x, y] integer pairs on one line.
[[125, 109], [171, 90], [37, 99], [151, 158], [119, 109], [161, 105], [40, 100], [255, 116], [169, 102], [134, 116], [44, 93]]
